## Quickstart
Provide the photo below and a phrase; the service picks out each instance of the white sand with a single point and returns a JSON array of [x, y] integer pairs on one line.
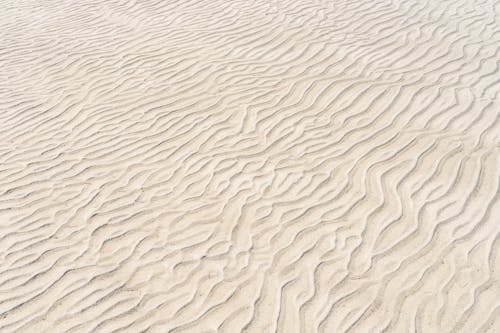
[[249, 166]]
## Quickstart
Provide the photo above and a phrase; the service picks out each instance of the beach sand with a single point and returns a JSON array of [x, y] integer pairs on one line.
[[249, 166]]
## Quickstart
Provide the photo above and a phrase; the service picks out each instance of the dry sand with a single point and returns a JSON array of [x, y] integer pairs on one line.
[[249, 166]]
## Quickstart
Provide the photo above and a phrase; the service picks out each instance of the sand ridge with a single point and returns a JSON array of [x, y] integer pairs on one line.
[[249, 166]]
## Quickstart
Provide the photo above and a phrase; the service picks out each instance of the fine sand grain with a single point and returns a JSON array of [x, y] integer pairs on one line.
[[249, 166]]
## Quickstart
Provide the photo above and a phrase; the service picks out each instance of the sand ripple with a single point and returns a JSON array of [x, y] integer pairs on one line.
[[249, 166]]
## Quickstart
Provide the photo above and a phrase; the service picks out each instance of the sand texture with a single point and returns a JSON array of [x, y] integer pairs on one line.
[[250, 166]]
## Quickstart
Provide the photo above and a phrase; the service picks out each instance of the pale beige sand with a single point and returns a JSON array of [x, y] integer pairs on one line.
[[249, 166]]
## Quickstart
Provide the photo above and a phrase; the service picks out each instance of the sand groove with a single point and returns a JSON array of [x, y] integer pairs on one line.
[[250, 166]]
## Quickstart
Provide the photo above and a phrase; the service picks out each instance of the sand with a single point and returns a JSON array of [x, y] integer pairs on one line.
[[249, 166]]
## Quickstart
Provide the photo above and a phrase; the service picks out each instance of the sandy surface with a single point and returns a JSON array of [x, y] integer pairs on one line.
[[249, 166]]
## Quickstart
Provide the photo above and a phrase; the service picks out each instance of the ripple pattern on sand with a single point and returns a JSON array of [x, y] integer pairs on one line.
[[250, 166]]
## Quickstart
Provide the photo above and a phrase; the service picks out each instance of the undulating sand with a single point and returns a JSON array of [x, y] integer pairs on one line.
[[250, 166]]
